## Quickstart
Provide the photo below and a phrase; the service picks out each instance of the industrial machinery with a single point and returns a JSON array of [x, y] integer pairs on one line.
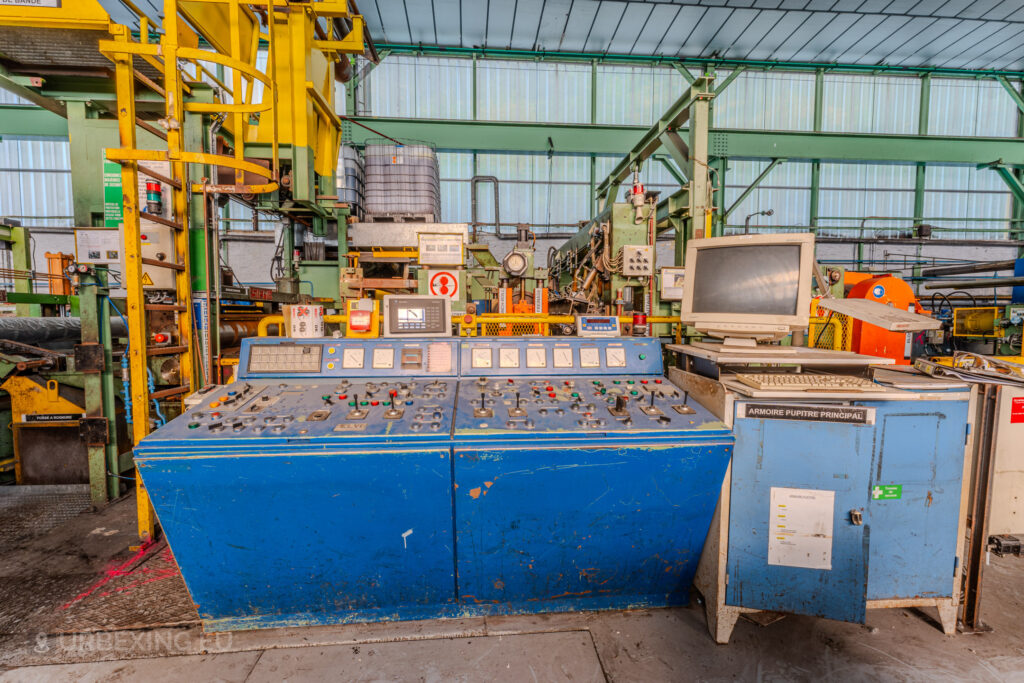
[[354, 479], [846, 486]]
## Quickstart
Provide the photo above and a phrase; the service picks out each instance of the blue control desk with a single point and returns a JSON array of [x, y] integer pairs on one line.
[[344, 480], [837, 502]]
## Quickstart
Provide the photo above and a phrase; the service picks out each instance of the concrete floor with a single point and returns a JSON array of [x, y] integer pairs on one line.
[[77, 605]]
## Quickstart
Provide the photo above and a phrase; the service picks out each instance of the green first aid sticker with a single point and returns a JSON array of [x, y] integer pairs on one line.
[[887, 492]]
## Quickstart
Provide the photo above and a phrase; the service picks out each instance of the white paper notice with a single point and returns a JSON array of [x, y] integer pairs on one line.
[[800, 528]]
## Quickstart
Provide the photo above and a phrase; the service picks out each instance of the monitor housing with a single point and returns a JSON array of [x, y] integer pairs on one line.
[[748, 288]]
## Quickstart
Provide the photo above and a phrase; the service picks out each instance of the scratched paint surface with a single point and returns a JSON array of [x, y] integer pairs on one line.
[[904, 547], [913, 538], [583, 527], [274, 537]]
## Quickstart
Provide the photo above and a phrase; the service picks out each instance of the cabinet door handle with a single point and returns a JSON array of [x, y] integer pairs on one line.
[[856, 518]]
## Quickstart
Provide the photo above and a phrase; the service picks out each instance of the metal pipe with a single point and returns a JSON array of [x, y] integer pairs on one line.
[[473, 182], [978, 284], [37, 330], [960, 269]]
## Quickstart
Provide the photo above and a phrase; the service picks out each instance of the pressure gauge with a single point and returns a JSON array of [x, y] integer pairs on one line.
[[383, 359], [536, 358], [562, 357], [515, 264], [508, 358]]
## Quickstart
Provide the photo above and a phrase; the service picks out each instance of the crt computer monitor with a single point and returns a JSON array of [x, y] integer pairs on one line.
[[748, 288]]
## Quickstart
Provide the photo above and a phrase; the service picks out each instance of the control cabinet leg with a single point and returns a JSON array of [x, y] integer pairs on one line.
[[721, 621], [947, 617]]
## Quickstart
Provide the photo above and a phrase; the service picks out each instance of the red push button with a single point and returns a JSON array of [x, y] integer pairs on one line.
[[552, 394], [374, 403], [342, 396], [657, 381]]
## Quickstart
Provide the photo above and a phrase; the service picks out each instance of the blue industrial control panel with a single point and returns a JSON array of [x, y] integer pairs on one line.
[[827, 516], [341, 480]]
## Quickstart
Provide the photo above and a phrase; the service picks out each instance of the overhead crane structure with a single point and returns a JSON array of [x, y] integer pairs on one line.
[[189, 95]]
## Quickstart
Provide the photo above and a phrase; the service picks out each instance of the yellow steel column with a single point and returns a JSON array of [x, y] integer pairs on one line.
[[125, 81]]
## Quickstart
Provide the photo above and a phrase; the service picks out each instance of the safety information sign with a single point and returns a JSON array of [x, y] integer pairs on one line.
[[887, 492], [444, 283], [800, 528], [1017, 410]]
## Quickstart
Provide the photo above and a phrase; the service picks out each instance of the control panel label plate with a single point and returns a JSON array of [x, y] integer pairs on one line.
[[808, 413]]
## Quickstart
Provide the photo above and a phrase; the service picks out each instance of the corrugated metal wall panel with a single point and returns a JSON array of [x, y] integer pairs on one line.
[[975, 107], [423, 87], [635, 95], [35, 181], [785, 191], [766, 100], [870, 104], [533, 91]]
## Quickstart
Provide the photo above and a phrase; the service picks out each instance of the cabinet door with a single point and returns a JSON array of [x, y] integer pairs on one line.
[[798, 523], [916, 478]]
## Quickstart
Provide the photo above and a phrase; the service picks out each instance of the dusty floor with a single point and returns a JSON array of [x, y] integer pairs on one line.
[[77, 605]]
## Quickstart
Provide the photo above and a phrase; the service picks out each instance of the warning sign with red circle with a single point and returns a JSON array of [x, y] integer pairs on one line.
[[444, 283]]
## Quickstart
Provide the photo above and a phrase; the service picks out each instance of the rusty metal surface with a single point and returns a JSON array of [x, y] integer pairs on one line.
[[145, 591], [51, 454], [30, 511]]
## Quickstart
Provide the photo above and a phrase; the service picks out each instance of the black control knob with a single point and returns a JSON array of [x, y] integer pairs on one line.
[[620, 402]]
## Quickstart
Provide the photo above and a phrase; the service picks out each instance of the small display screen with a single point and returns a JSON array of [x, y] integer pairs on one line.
[[284, 359], [412, 318], [750, 279]]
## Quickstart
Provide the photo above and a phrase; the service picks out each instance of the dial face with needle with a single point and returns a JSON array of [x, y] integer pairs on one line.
[[508, 358], [615, 357], [481, 357], [352, 359], [590, 358], [562, 357], [536, 358]]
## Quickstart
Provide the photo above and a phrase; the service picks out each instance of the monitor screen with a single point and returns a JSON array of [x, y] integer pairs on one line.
[[751, 279]]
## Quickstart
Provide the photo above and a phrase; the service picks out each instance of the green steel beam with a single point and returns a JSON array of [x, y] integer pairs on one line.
[[1014, 95], [1012, 182], [612, 58], [729, 79], [672, 169], [494, 136], [750, 188], [922, 129], [685, 73], [18, 120], [676, 115], [932, 149], [819, 99]]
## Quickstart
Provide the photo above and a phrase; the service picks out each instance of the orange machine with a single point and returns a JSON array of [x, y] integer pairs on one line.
[[876, 341]]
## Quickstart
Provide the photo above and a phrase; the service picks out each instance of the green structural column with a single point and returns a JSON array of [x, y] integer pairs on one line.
[[819, 93], [98, 384], [922, 129]]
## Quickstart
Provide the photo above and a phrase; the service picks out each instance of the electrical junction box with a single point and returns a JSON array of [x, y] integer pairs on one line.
[[637, 260], [157, 243]]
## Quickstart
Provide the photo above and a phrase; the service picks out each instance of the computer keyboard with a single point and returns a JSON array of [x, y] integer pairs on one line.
[[793, 381]]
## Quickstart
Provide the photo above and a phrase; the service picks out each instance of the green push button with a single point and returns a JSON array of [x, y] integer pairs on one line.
[[634, 392], [325, 397], [364, 403], [604, 391], [193, 425], [630, 382], [643, 356], [616, 381], [352, 403]]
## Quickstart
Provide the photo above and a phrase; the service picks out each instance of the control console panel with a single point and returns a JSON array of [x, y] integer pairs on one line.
[[268, 357]]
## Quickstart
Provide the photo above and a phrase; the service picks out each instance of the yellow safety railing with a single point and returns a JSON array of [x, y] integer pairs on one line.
[[469, 325]]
